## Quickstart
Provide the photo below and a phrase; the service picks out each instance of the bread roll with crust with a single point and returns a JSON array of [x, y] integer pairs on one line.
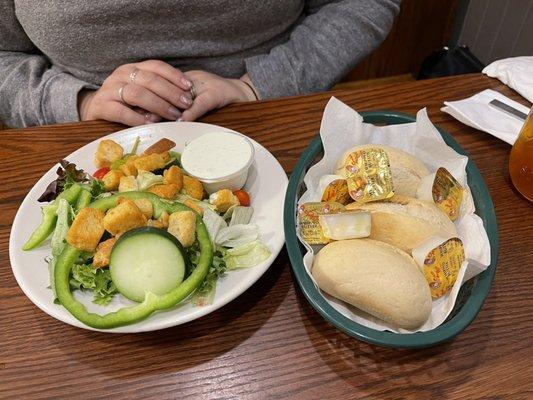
[[407, 170], [405, 222], [375, 277]]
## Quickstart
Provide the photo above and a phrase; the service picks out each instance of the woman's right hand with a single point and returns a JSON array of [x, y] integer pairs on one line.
[[157, 91]]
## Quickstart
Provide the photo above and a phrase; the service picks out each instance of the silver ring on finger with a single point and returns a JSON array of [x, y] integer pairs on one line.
[[193, 92], [121, 93], [133, 75]]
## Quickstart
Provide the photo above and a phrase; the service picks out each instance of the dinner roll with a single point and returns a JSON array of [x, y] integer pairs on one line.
[[375, 277], [405, 222], [407, 170]]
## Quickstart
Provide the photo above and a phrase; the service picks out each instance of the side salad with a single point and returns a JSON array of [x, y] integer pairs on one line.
[[142, 228]]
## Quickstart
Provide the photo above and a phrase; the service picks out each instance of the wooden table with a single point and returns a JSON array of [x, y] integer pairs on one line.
[[269, 343]]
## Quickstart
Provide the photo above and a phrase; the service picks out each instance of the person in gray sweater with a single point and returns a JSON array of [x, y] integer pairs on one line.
[[141, 61]]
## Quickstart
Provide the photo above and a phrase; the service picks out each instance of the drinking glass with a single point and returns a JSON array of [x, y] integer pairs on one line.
[[521, 160]]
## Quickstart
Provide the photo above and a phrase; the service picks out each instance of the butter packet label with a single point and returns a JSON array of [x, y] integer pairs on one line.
[[441, 264], [334, 188], [309, 222], [447, 193], [368, 175]]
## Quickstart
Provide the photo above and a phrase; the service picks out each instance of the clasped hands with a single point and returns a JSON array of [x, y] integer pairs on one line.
[[152, 90]]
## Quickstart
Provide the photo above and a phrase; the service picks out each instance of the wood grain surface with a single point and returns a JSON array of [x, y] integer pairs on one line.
[[269, 343]]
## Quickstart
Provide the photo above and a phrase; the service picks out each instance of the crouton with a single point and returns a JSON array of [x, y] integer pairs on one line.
[[182, 225], [128, 168], [194, 205], [103, 253], [223, 199], [155, 223], [165, 191], [128, 184], [161, 146], [145, 206], [165, 156], [87, 229], [149, 162], [107, 152], [173, 175], [123, 217], [163, 218], [112, 179], [192, 187]]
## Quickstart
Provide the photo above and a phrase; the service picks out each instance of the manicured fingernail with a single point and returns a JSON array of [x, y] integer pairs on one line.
[[151, 118], [174, 112], [186, 82], [184, 99]]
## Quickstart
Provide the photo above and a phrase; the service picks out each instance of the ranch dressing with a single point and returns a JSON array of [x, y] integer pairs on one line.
[[216, 155]]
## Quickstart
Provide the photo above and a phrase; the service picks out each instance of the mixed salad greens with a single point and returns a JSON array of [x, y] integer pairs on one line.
[[142, 228]]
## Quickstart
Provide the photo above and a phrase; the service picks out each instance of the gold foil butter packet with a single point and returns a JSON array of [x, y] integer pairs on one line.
[[308, 220], [447, 193], [368, 175], [334, 188], [440, 264]]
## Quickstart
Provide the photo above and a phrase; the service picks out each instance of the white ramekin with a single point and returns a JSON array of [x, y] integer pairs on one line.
[[233, 181]]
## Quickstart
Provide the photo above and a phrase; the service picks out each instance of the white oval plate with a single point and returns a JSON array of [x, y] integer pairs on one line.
[[266, 184]]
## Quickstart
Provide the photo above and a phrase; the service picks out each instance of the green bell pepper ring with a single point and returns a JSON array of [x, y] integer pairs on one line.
[[152, 302], [159, 204], [48, 222]]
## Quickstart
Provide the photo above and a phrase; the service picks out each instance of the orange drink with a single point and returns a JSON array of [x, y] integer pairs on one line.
[[521, 160]]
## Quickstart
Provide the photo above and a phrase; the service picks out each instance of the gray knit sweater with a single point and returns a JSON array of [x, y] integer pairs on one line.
[[51, 49]]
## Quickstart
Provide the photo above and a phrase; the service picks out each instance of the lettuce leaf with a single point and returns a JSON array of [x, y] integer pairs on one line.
[[135, 146], [214, 223], [205, 294], [237, 235], [247, 255], [97, 189], [67, 175], [227, 215], [86, 277], [241, 215], [175, 159], [146, 179]]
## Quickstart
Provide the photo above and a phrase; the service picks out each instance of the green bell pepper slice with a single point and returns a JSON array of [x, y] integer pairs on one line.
[[84, 199], [152, 302], [48, 222]]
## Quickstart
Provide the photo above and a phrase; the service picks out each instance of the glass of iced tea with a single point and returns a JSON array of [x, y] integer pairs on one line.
[[521, 160]]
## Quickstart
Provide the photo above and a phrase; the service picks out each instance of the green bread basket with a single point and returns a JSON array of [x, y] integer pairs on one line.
[[472, 294]]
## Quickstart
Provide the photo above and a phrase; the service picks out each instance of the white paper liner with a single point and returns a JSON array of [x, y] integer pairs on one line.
[[342, 128]]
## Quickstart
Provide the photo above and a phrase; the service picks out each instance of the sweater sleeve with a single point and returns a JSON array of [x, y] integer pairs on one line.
[[323, 47], [32, 91]]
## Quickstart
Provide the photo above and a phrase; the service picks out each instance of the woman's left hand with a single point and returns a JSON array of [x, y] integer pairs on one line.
[[213, 91]]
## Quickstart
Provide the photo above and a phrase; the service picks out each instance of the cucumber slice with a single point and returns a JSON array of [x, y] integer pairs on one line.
[[144, 260]]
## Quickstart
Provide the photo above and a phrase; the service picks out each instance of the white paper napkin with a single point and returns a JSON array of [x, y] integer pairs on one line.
[[516, 72], [476, 112]]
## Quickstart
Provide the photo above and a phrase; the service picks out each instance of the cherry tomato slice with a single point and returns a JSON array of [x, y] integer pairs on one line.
[[100, 173], [243, 196]]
